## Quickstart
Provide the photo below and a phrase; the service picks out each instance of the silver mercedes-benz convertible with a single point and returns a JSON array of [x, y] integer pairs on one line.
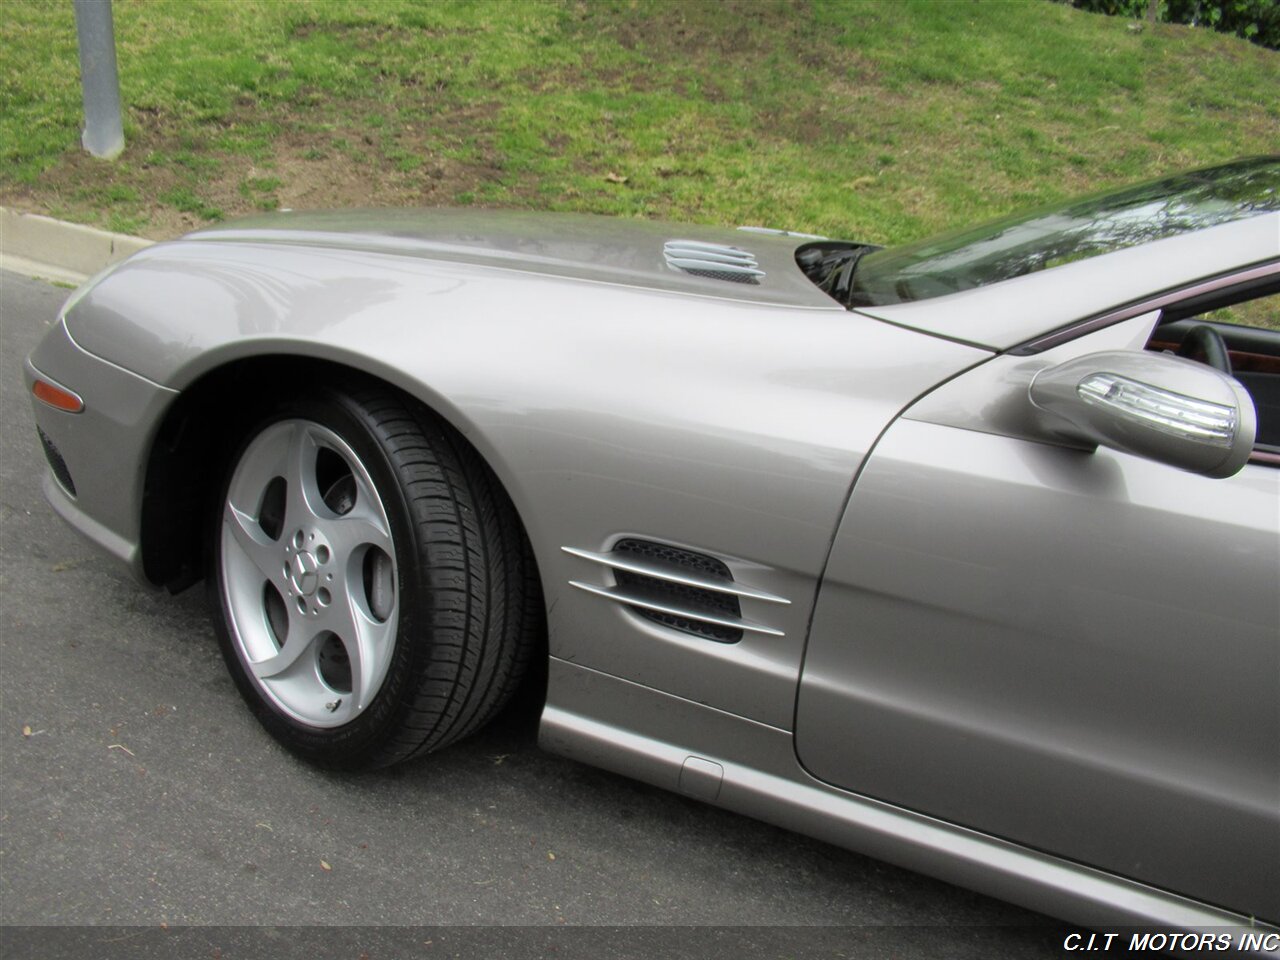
[[964, 554]]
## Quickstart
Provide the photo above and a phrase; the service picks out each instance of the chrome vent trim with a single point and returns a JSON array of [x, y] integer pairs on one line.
[[683, 590], [632, 598], [672, 573], [716, 260]]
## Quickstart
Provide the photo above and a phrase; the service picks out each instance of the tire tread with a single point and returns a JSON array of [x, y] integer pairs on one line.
[[476, 559]]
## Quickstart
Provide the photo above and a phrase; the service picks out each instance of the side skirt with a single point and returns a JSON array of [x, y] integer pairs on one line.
[[751, 768]]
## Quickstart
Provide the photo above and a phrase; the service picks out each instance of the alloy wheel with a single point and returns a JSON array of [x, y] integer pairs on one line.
[[309, 575]]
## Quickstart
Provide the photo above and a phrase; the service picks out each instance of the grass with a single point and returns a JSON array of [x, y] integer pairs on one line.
[[881, 121]]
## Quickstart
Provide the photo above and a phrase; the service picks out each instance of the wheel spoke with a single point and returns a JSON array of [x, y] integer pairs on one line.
[[367, 642], [301, 634], [262, 552], [300, 474], [262, 463], [356, 529]]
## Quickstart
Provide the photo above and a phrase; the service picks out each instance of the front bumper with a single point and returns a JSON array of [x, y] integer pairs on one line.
[[98, 485]]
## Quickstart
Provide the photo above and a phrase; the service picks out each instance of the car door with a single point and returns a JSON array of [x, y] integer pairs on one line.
[[1074, 651]]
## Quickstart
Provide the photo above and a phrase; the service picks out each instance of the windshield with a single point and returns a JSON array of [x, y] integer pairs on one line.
[[1052, 236]]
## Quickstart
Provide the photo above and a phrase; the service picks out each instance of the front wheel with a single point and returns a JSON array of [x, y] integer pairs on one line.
[[372, 589]]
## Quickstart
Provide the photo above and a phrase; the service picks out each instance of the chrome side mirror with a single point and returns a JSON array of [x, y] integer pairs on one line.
[[1152, 405]]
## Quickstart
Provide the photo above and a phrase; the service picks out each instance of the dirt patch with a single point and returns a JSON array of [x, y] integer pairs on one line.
[[314, 178], [167, 184]]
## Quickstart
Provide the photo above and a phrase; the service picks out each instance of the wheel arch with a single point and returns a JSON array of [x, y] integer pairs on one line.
[[201, 429]]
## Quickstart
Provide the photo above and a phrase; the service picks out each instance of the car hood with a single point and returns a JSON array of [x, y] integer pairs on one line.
[[601, 249]]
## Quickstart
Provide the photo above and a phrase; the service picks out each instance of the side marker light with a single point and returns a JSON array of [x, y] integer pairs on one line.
[[57, 397]]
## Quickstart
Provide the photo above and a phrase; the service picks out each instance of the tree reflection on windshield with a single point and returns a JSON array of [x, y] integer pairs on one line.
[[1050, 237]]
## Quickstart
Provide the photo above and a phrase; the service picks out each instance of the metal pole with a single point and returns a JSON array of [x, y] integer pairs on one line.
[[103, 134]]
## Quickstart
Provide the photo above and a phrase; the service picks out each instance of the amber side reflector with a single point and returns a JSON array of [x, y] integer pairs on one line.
[[57, 397]]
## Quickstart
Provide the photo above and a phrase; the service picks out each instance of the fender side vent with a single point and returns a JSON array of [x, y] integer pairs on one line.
[[717, 261], [680, 595], [680, 589]]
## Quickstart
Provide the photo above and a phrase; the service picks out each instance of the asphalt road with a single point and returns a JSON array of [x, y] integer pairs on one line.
[[137, 791]]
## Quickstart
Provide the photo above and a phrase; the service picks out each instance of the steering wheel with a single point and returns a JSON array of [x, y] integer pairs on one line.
[[1203, 339]]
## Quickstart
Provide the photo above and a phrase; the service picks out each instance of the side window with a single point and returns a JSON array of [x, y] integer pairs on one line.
[[1238, 336], [1263, 312]]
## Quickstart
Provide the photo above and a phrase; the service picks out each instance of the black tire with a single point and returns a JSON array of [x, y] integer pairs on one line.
[[465, 616]]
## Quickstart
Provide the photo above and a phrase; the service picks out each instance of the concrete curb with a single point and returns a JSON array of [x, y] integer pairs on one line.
[[54, 250]]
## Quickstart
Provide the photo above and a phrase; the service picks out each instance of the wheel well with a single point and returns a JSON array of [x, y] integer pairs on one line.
[[194, 444]]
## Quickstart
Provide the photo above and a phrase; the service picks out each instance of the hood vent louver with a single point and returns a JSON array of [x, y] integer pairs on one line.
[[685, 591], [715, 260]]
